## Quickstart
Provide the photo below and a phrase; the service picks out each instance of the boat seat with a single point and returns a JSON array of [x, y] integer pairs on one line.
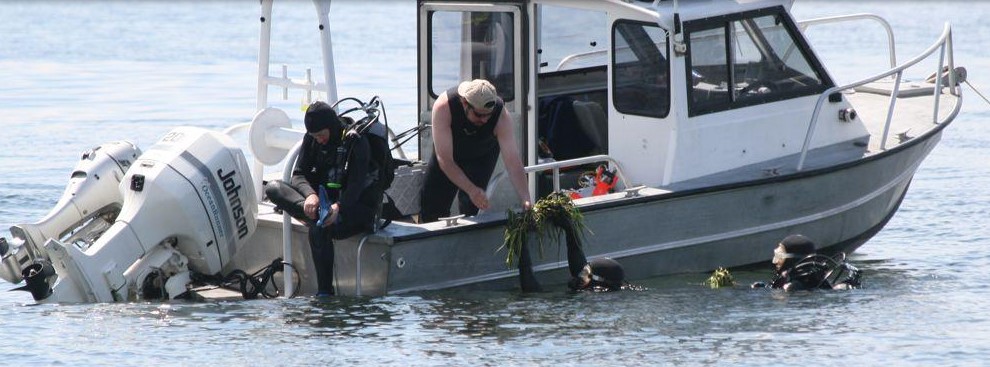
[[593, 122], [559, 126]]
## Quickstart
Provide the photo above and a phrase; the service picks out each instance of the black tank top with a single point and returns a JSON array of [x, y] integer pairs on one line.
[[471, 142]]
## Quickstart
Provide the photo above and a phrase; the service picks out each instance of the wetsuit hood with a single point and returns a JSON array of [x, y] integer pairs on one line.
[[319, 116]]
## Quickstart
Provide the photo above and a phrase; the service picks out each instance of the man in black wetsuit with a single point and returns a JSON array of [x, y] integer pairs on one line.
[[332, 188], [470, 128], [798, 267], [598, 275]]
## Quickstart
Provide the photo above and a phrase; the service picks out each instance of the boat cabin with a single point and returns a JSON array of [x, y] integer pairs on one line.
[[670, 92]]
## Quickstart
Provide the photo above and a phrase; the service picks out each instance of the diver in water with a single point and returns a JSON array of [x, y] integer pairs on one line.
[[798, 267], [598, 275]]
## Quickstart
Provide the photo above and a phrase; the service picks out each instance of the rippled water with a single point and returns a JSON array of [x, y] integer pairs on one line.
[[76, 74]]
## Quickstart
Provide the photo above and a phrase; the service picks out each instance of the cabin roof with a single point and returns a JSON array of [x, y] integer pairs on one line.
[[688, 9], [697, 9]]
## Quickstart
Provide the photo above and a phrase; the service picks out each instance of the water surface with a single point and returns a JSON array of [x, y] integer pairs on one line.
[[76, 74]]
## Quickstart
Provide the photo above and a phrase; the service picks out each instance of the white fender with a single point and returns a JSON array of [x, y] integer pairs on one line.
[[270, 136]]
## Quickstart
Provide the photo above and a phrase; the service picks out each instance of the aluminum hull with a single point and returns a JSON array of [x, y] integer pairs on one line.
[[655, 234]]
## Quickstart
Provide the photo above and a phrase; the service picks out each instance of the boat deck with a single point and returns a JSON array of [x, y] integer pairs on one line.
[[913, 114]]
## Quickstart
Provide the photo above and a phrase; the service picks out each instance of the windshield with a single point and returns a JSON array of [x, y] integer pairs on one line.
[[747, 59], [467, 45]]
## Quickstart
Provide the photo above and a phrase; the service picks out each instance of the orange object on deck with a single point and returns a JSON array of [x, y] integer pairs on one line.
[[604, 181]]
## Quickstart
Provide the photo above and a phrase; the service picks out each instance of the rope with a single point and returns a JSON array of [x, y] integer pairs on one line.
[[977, 92], [253, 285]]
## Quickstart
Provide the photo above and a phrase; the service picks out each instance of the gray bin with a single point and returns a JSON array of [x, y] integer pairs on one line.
[[406, 187]]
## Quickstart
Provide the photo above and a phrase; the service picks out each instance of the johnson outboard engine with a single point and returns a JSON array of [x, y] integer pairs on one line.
[[88, 206], [188, 205]]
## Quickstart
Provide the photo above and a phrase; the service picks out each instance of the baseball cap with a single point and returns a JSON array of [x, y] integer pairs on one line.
[[480, 94]]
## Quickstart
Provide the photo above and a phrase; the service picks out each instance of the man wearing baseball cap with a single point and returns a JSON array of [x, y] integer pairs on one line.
[[470, 128]]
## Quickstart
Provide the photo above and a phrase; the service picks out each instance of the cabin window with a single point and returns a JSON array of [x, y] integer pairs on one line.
[[572, 38], [467, 45], [571, 87], [747, 59], [640, 79]]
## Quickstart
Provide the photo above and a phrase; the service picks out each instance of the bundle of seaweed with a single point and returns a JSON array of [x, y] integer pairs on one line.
[[517, 230], [550, 217], [558, 209], [721, 278]]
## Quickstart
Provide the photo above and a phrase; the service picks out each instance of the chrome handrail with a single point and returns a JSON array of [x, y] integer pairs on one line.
[[287, 223], [804, 24], [555, 166], [944, 44], [578, 56], [357, 265]]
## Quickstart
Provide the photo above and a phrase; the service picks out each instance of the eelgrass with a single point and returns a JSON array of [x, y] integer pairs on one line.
[[517, 231], [550, 217], [720, 278], [559, 210]]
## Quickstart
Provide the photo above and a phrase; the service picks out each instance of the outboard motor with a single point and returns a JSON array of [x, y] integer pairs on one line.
[[188, 205], [87, 207]]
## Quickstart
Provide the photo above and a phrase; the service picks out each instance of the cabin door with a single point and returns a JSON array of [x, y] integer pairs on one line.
[[459, 42]]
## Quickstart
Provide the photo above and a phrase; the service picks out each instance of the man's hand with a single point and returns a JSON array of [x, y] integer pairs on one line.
[[478, 198], [312, 206], [332, 218], [527, 205]]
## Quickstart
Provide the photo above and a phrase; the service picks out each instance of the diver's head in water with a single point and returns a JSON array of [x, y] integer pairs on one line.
[[601, 274], [791, 250]]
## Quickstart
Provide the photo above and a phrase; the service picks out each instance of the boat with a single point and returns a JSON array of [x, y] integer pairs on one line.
[[723, 128]]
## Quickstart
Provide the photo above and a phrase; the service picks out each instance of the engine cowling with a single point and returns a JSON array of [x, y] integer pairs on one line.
[[188, 205], [88, 205]]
